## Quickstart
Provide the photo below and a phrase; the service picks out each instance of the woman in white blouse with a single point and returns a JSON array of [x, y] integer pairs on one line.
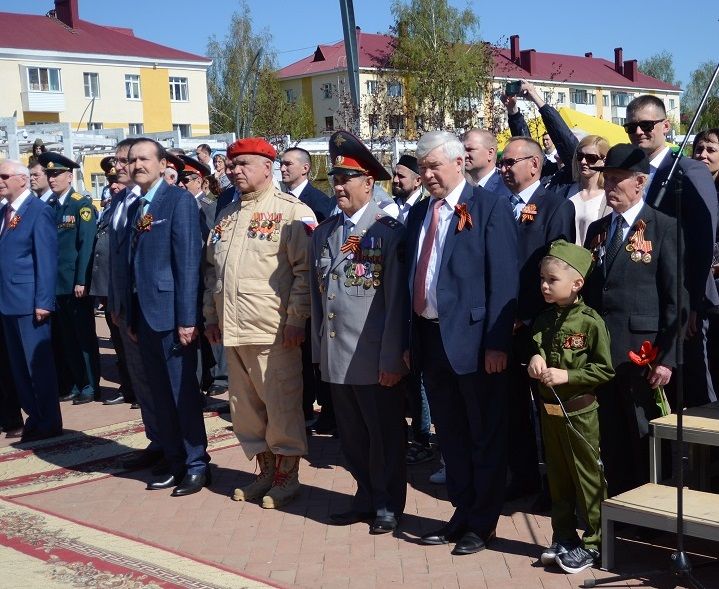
[[587, 192]]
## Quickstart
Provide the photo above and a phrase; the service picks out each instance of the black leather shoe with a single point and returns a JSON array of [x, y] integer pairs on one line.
[[165, 482], [36, 435], [68, 397], [114, 400], [348, 518], [145, 459], [383, 524], [471, 543], [82, 399], [444, 535], [135, 406], [192, 483], [216, 389]]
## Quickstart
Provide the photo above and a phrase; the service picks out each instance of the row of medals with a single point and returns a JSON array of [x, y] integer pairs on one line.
[[366, 274], [268, 230], [67, 222], [638, 255]]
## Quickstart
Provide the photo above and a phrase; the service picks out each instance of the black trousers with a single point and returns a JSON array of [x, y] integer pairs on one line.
[[371, 427], [10, 415], [313, 387], [470, 415], [122, 371]]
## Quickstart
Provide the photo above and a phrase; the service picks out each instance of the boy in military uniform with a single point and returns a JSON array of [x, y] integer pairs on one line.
[[571, 357], [77, 355]]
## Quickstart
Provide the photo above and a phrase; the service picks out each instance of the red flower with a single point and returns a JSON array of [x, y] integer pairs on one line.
[[647, 354]]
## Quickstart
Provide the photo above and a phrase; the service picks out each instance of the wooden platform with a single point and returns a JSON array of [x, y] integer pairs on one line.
[[655, 506]]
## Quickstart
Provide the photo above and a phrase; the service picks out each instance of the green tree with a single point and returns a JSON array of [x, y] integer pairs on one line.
[[693, 94], [443, 64], [244, 95], [660, 66]]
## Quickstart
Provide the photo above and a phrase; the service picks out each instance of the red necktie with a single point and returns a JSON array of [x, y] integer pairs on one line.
[[419, 294]]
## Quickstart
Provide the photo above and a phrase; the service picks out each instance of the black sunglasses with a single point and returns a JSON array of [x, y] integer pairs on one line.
[[592, 158], [509, 162], [645, 126], [8, 176]]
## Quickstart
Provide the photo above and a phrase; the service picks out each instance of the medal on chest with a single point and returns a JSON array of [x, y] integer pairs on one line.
[[265, 226]]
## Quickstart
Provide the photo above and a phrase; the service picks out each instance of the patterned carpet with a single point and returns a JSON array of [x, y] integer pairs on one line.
[[41, 550]]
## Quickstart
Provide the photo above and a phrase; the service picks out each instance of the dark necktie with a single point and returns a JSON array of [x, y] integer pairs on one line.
[[514, 200], [347, 229], [8, 218], [616, 244]]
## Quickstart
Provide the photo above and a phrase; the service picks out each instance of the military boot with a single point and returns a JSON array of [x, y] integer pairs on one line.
[[286, 484], [263, 481]]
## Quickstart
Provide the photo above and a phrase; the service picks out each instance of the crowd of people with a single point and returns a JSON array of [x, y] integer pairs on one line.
[[497, 297]]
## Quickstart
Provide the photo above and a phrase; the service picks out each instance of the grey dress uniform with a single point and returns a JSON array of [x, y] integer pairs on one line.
[[359, 312]]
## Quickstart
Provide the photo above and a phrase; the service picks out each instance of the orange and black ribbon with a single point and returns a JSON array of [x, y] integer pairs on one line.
[[464, 217], [352, 245]]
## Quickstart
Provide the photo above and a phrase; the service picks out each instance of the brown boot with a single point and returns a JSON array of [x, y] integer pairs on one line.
[[263, 481], [286, 484]]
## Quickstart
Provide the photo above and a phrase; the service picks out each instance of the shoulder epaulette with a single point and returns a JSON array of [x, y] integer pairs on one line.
[[76, 196], [391, 222], [288, 197]]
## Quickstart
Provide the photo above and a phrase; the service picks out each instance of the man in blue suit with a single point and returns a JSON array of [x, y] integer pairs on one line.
[[541, 217], [480, 165], [28, 271], [165, 251], [120, 231], [462, 253]]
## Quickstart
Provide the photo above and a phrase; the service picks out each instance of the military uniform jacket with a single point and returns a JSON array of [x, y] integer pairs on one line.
[[76, 227], [256, 279], [574, 339], [636, 293], [359, 299]]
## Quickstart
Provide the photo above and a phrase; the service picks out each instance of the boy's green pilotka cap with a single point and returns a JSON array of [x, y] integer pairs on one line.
[[576, 256]]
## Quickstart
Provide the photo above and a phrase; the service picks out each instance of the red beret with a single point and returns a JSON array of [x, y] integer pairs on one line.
[[251, 145]]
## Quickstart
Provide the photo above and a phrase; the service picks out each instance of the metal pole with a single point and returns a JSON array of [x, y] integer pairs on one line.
[[350, 36]]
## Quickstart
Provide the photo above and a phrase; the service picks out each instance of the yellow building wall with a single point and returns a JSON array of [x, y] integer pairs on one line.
[[155, 88]]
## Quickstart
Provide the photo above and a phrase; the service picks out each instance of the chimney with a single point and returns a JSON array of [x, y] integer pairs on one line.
[[631, 69], [588, 54], [527, 60], [618, 58], [514, 48], [66, 11]]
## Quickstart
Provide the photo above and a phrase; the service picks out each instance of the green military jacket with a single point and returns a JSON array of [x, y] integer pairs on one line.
[[76, 226], [575, 339]]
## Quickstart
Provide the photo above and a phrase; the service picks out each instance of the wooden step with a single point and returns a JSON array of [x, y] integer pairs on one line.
[[655, 506]]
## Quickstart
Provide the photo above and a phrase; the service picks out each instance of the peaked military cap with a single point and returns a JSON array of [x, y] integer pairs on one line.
[[52, 160], [193, 166], [349, 154], [576, 256], [174, 162]]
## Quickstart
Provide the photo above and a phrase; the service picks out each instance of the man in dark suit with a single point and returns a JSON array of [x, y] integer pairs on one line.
[[119, 241], [480, 166], [28, 272], [295, 166], [165, 250], [634, 290], [647, 126], [462, 254], [77, 354], [542, 217]]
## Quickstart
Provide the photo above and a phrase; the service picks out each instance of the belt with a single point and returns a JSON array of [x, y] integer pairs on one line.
[[576, 404], [435, 321]]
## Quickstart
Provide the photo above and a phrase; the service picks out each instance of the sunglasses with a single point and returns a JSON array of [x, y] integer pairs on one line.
[[509, 162], [592, 158], [8, 176], [645, 126]]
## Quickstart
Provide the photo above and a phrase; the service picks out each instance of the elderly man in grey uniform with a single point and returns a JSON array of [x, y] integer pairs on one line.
[[359, 310]]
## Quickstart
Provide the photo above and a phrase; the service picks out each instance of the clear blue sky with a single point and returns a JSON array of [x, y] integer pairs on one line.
[[641, 28]]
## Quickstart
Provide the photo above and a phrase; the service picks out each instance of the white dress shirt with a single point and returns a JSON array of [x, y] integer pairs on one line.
[[446, 212], [354, 219], [407, 205], [46, 196], [524, 198], [653, 166], [14, 207], [61, 199], [130, 197], [630, 216], [484, 179], [297, 190]]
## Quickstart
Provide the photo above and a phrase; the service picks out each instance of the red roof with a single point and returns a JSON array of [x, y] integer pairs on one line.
[[43, 33], [546, 66]]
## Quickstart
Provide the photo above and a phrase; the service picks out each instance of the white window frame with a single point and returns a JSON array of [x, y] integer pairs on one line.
[[372, 86], [98, 183], [132, 82], [326, 90], [179, 127], [179, 84], [48, 79], [395, 89], [95, 126], [139, 128], [90, 79]]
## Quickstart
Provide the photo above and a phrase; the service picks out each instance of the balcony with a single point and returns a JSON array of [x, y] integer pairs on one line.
[[43, 101]]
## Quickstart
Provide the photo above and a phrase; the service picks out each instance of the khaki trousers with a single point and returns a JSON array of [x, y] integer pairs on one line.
[[265, 384]]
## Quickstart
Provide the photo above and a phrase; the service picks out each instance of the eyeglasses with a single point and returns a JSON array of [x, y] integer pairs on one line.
[[8, 176], [645, 126], [344, 178], [509, 162], [592, 158]]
